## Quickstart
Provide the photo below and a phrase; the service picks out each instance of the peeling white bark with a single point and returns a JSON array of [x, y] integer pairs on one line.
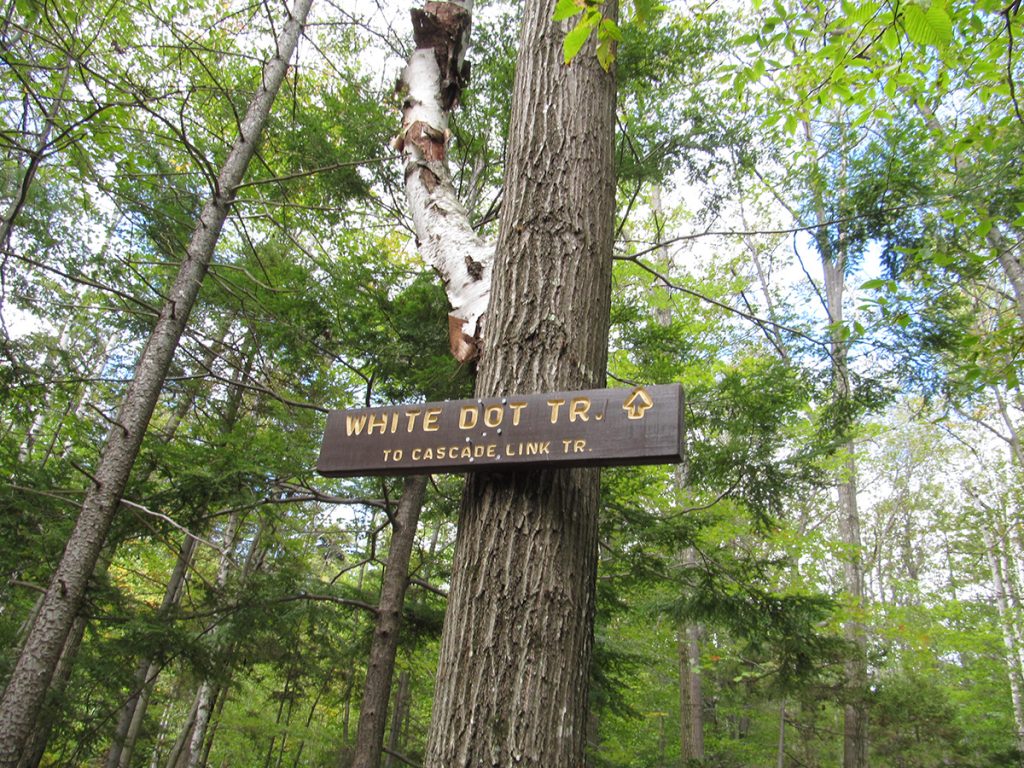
[[446, 239]]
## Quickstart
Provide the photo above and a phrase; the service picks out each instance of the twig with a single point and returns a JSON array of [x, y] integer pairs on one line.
[[311, 172], [400, 757], [26, 585], [429, 587], [721, 305], [179, 526]]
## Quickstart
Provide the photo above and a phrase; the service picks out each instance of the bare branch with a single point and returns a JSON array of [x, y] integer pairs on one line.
[[179, 526]]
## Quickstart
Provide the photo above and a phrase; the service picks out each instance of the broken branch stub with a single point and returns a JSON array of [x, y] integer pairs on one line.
[[432, 81], [445, 27]]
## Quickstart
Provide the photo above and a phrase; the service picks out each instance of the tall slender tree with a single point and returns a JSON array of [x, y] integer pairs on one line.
[[377, 689], [26, 689]]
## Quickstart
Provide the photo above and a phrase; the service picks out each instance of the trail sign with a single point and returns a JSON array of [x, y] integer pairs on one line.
[[594, 427]]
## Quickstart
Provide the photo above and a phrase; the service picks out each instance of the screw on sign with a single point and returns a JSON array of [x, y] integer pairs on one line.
[[595, 427]]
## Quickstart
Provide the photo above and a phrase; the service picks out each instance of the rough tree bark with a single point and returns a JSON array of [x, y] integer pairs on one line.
[[377, 689], [516, 647], [26, 689]]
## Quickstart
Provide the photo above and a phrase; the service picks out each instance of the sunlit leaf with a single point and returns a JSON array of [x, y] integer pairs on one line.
[[566, 9], [931, 27]]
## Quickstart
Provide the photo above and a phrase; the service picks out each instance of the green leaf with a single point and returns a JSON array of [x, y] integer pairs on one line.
[[646, 10], [611, 30], [566, 9], [1012, 379], [859, 13], [575, 40], [605, 53], [931, 27], [873, 285]]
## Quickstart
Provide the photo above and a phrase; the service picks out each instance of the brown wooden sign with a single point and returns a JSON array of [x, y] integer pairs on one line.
[[592, 427]]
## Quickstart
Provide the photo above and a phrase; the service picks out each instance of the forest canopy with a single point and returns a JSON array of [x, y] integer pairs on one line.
[[818, 232]]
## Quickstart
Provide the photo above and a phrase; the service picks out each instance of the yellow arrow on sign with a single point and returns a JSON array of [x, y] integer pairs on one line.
[[637, 404]]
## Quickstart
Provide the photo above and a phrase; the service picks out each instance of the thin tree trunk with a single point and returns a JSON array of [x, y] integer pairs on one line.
[[133, 712], [691, 697], [161, 733], [780, 747], [377, 688], [175, 756], [73, 406], [518, 633], [44, 405], [207, 690], [1013, 438], [399, 717], [277, 721], [26, 689], [855, 711], [309, 721], [285, 733], [35, 159], [219, 700], [1013, 667], [345, 753], [833, 263]]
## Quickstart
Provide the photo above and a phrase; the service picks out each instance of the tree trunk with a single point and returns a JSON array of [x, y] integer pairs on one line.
[[1013, 664], [399, 717], [328, 683], [516, 646], [207, 691], [691, 697], [175, 757], [35, 159], [345, 753], [219, 700], [780, 744], [855, 732], [374, 711], [833, 264], [26, 689], [132, 713], [36, 748], [432, 81]]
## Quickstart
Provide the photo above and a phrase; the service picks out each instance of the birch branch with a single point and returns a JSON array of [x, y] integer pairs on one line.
[[431, 83]]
